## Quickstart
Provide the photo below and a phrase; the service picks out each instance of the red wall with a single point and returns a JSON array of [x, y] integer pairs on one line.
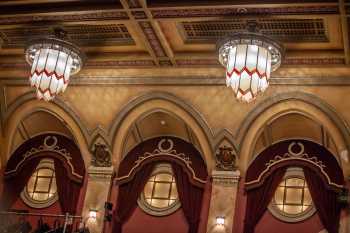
[[53, 209], [174, 223], [33, 220]]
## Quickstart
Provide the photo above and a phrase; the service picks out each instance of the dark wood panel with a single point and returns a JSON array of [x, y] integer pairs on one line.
[[159, 3], [60, 7]]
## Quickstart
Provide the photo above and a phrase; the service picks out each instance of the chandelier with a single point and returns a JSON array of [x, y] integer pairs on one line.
[[249, 59], [53, 60]]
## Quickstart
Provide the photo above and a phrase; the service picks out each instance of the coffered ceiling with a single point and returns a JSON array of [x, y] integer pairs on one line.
[[158, 34], [170, 45]]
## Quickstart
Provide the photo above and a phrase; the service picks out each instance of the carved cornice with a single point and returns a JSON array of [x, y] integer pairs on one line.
[[102, 173], [210, 63], [190, 80], [226, 178]]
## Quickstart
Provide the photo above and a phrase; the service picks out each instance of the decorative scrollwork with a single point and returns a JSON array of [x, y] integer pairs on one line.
[[292, 156], [53, 144], [47, 146], [161, 142], [290, 149], [161, 151]]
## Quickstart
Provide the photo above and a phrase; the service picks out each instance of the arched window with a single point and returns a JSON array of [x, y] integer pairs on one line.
[[160, 196], [41, 189], [292, 201]]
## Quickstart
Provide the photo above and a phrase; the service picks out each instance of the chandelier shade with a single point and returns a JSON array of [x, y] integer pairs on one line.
[[53, 61], [249, 59]]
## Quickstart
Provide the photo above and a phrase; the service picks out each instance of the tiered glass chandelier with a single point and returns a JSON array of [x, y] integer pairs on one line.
[[53, 60], [249, 59]]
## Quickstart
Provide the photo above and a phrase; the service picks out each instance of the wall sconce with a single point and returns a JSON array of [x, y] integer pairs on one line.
[[93, 214], [220, 220]]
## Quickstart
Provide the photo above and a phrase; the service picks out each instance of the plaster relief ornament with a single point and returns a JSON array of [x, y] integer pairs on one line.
[[101, 156], [225, 158], [249, 58], [53, 60]]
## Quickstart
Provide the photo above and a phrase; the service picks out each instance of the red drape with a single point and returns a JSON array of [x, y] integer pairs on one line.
[[259, 198], [14, 186], [325, 201], [128, 193], [190, 197], [67, 189]]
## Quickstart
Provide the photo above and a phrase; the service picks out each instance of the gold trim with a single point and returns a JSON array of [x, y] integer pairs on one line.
[[161, 152], [294, 156], [47, 148]]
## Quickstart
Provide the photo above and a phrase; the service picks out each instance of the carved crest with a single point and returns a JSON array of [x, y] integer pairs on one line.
[[101, 156], [225, 158]]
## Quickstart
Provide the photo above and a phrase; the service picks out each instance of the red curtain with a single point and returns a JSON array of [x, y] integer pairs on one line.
[[67, 189], [128, 193], [190, 197], [14, 186], [259, 198], [325, 201]]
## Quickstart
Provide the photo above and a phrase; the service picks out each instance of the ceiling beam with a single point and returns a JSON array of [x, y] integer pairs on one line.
[[140, 29], [159, 33]]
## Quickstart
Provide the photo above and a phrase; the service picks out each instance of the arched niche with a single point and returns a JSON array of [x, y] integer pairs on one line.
[[155, 123], [166, 103], [27, 107], [291, 125], [278, 106]]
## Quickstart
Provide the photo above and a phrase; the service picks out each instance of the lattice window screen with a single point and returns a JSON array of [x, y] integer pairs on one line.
[[109, 34], [284, 30]]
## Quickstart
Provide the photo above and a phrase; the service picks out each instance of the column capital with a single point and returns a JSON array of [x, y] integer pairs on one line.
[[104, 173], [225, 178]]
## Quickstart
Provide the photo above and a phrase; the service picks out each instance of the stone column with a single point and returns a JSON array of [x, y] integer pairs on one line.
[[98, 186], [223, 200]]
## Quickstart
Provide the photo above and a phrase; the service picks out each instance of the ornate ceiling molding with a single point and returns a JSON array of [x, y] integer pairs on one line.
[[152, 38], [242, 11], [65, 17]]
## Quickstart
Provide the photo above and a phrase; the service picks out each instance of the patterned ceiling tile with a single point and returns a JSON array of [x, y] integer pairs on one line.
[[109, 34], [65, 17], [284, 30]]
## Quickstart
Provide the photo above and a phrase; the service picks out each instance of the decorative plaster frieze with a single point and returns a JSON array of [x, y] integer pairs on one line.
[[226, 178], [104, 173]]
